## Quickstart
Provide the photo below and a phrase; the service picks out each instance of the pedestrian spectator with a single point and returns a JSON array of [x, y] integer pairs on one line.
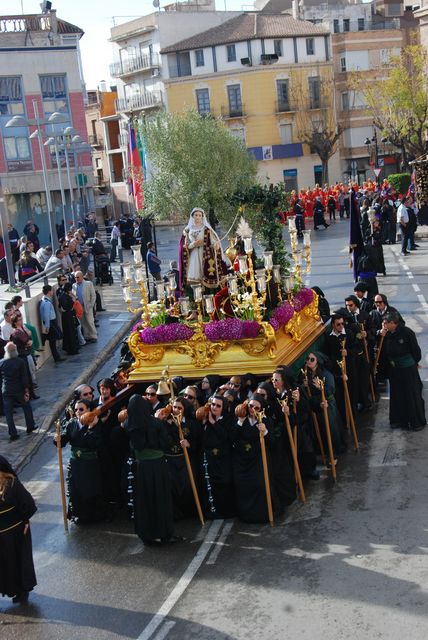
[[85, 260], [70, 341], [43, 255], [114, 240], [22, 338], [300, 220], [403, 221], [98, 248], [32, 231], [28, 267], [319, 214], [17, 576], [331, 205], [85, 293], [50, 329], [15, 389], [153, 262], [56, 260], [423, 213], [411, 228], [17, 306], [6, 324], [13, 239]]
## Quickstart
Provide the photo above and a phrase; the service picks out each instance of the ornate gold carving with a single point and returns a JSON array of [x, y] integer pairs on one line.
[[293, 327], [264, 342], [202, 351], [311, 310], [144, 352]]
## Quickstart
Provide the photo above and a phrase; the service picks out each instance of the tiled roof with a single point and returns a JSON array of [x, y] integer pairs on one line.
[[67, 27], [249, 26]]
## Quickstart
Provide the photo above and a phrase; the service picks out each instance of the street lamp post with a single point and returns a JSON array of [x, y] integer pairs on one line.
[[4, 219], [53, 142], [54, 118], [372, 144]]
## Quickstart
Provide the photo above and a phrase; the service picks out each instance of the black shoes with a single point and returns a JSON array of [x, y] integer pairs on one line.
[[13, 438], [33, 428], [20, 597]]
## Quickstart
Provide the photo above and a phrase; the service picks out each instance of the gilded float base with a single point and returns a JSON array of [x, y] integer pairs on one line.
[[198, 357]]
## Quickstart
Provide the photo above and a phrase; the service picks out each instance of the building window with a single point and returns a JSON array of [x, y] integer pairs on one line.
[[283, 95], [238, 132], [343, 64], [235, 102], [277, 47], [394, 9], [199, 57], [336, 26], [346, 24], [314, 92], [231, 53], [286, 133], [345, 101], [290, 179], [318, 174], [17, 148], [203, 101], [361, 24], [310, 46]]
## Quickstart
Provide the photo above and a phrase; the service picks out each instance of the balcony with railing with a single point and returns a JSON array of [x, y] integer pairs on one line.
[[134, 65], [140, 102], [229, 111], [95, 140], [351, 26], [282, 106]]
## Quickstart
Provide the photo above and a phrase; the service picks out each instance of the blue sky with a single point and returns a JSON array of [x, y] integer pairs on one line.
[[95, 17]]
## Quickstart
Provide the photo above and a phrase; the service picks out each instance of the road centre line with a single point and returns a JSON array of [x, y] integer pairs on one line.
[[184, 581], [220, 543]]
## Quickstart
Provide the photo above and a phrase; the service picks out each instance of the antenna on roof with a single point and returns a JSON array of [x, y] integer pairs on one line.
[[46, 6]]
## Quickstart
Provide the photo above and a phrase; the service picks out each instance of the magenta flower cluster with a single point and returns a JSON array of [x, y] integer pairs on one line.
[[166, 333], [302, 298], [281, 316], [231, 329]]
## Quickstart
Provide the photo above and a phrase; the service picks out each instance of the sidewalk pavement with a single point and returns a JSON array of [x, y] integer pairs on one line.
[[56, 381]]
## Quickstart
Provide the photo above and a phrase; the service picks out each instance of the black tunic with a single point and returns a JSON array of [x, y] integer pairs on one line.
[[182, 495], [86, 502], [248, 475], [16, 555], [70, 341], [217, 495], [151, 485], [406, 404]]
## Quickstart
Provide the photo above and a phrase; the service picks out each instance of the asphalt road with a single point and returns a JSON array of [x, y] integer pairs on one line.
[[350, 563]]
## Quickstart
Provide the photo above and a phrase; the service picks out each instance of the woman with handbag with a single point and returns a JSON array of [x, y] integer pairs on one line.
[[69, 315], [21, 336]]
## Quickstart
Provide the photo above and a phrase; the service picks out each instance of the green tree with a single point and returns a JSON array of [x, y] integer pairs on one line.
[[195, 161], [262, 205], [399, 102]]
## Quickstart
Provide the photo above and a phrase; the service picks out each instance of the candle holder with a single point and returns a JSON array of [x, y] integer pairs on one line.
[[292, 224], [136, 251], [136, 270], [197, 295], [276, 275], [209, 304], [184, 305]]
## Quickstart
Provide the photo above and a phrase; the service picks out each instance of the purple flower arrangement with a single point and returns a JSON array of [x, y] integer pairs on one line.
[[281, 316], [231, 329], [302, 298], [166, 333]]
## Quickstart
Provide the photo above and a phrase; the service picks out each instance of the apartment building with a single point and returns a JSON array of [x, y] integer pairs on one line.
[[262, 74], [40, 67]]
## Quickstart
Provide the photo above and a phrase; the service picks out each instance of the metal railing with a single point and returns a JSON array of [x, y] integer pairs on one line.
[[146, 100], [38, 277], [233, 112], [133, 65]]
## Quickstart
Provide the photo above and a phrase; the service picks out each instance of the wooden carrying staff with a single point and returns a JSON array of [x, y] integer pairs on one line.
[[328, 431], [260, 415], [378, 352], [375, 398], [314, 418], [177, 419], [349, 413], [293, 448], [61, 475]]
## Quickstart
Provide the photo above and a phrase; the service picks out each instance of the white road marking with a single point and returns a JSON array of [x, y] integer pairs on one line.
[[183, 582], [220, 543], [416, 287], [405, 266], [164, 630]]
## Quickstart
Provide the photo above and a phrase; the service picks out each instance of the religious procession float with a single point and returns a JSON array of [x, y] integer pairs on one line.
[[230, 316]]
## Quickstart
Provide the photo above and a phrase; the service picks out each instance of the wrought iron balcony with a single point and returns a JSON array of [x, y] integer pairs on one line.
[[134, 65], [140, 102], [238, 111]]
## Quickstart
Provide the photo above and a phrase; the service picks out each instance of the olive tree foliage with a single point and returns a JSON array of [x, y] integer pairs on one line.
[[194, 161], [399, 102]]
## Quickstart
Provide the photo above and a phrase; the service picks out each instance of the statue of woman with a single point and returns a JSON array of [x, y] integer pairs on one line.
[[201, 256]]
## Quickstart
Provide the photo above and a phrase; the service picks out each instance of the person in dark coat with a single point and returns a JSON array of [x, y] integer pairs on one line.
[[86, 502], [300, 219], [340, 343], [150, 480], [361, 291], [323, 305], [319, 214], [17, 575], [250, 492], [406, 403], [215, 460], [70, 340], [15, 383]]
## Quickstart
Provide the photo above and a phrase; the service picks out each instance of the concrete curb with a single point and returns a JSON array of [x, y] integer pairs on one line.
[[58, 406]]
